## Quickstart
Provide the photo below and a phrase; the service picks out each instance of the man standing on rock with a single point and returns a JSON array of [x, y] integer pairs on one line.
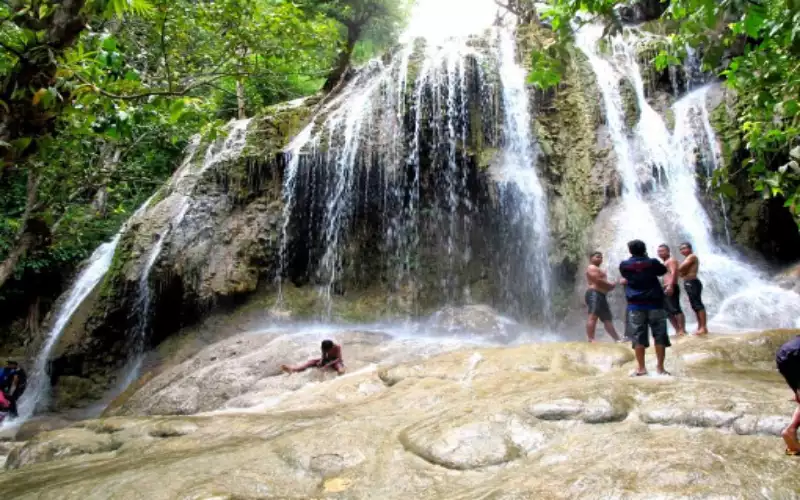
[[645, 304], [693, 286], [672, 292], [788, 360], [596, 299]]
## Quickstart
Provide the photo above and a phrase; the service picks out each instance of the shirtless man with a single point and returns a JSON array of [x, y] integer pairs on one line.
[[331, 359], [672, 293], [596, 300], [694, 288]]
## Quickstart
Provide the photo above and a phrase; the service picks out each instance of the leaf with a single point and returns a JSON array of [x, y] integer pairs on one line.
[[795, 153], [727, 190], [109, 44], [37, 97], [753, 22]]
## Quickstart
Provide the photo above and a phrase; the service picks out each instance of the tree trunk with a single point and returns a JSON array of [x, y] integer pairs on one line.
[[343, 61], [28, 233], [240, 100], [110, 162]]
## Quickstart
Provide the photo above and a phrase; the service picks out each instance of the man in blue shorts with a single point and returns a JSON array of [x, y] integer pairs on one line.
[[645, 298]]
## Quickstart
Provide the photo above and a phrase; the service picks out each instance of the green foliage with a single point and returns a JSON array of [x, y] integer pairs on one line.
[[104, 99]]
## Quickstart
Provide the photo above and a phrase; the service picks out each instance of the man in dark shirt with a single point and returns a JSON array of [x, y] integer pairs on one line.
[[13, 383], [788, 360], [645, 298]]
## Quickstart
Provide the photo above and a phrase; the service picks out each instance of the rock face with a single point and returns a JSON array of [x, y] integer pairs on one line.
[[535, 421]]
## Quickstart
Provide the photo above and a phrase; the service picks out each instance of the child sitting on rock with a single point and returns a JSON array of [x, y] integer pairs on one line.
[[331, 358]]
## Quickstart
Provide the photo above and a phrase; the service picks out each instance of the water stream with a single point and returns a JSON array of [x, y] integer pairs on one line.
[[662, 201]]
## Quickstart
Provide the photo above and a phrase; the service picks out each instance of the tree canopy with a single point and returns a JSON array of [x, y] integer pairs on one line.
[[99, 97]]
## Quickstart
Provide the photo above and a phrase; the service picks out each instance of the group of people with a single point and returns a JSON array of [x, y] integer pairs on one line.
[[653, 296], [13, 381]]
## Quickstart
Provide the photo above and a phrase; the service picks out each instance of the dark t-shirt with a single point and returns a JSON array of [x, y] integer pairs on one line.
[[643, 291]]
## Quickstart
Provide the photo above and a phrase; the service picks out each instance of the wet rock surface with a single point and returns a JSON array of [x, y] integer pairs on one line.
[[560, 420]]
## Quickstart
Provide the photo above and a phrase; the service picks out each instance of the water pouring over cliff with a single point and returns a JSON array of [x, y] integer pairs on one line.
[[396, 168], [662, 200]]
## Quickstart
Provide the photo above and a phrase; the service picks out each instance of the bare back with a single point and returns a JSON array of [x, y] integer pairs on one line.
[[689, 267], [596, 279]]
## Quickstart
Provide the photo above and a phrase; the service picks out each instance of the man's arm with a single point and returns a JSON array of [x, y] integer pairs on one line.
[[660, 270], [599, 277]]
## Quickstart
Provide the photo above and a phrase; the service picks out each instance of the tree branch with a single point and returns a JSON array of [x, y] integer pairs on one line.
[[164, 49]]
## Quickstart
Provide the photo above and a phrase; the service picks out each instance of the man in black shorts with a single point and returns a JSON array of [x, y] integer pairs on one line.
[[694, 287], [788, 360], [596, 300], [645, 304], [672, 292]]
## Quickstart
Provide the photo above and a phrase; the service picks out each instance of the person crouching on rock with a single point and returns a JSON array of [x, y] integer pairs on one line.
[[788, 360], [331, 359]]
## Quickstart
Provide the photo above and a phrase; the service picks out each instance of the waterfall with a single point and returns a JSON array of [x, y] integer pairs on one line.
[[182, 183], [519, 170], [661, 201], [388, 171], [94, 270]]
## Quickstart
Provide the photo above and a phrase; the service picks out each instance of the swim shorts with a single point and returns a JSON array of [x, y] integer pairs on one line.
[[694, 290], [788, 360], [638, 323], [672, 304], [598, 305]]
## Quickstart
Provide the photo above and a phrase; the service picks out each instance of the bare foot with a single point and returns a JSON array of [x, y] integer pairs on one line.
[[790, 438], [286, 369], [701, 332], [664, 372], [637, 373], [681, 334]]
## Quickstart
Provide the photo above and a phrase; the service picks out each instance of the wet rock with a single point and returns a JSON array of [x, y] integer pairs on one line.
[[478, 320], [691, 418], [771, 425], [37, 425], [57, 445], [595, 411]]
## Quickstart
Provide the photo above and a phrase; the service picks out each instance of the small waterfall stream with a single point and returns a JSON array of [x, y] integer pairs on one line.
[[661, 200]]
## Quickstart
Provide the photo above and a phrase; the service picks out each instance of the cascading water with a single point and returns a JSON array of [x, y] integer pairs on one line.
[[397, 153], [95, 270], [661, 201], [183, 183], [518, 170]]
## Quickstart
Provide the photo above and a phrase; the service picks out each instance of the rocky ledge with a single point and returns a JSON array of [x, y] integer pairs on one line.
[[558, 420]]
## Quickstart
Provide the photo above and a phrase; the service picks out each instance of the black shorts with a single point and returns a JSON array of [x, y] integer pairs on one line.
[[638, 323], [598, 305], [694, 290], [788, 360], [672, 305]]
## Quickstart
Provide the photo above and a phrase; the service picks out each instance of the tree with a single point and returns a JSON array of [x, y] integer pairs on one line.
[[375, 20]]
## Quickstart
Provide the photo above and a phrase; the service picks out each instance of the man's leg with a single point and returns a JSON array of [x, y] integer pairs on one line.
[[790, 433], [591, 325], [637, 327], [610, 330], [300, 368], [12, 407], [681, 324], [657, 322], [701, 323]]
